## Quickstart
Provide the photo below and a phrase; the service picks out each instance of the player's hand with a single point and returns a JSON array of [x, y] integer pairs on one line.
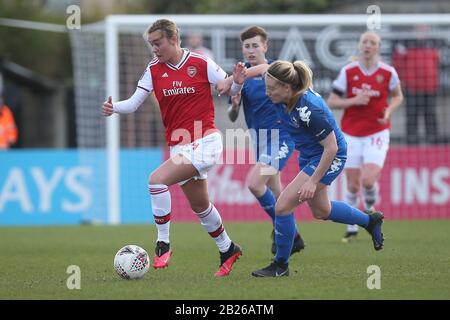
[[239, 73], [362, 98], [223, 87], [107, 108], [235, 100], [386, 117], [307, 191]]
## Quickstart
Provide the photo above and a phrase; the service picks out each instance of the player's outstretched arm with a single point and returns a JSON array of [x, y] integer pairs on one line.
[[240, 74], [256, 71], [126, 106]]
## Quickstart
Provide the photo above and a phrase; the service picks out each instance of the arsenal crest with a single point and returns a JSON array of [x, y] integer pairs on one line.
[[380, 78], [191, 71]]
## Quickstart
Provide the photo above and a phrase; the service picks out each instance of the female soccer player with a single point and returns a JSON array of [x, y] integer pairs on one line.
[[362, 89], [323, 152], [260, 115], [181, 81]]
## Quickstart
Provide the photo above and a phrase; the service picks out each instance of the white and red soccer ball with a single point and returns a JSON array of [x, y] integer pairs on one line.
[[131, 262]]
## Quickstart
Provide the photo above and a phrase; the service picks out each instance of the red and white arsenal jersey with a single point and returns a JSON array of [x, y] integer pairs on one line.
[[184, 95], [361, 120]]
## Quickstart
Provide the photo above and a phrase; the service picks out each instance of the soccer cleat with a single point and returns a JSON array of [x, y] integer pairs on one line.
[[374, 228], [349, 236], [298, 245], [275, 269], [227, 259], [162, 255]]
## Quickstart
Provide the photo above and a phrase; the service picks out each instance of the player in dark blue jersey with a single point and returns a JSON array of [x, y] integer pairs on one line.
[[323, 152], [271, 142]]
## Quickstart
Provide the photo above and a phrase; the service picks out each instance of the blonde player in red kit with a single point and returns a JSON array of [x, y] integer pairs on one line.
[[362, 90], [181, 81]]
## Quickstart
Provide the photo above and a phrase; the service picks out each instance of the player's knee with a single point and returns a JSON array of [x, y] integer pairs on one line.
[[256, 189], [353, 186], [320, 212], [281, 208], [199, 207], [156, 178]]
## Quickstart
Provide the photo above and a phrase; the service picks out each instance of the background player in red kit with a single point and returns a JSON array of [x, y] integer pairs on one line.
[[181, 81], [362, 89]]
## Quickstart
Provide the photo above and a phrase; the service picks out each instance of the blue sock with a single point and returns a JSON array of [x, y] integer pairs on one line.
[[343, 213], [284, 236], [267, 202]]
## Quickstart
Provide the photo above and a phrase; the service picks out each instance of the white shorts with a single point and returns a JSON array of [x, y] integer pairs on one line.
[[368, 149], [203, 153]]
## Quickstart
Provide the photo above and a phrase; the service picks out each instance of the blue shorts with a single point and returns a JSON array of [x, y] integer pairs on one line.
[[274, 153], [309, 166]]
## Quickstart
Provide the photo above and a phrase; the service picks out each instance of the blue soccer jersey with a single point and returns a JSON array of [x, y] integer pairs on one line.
[[258, 108], [272, 143], [308, 123]]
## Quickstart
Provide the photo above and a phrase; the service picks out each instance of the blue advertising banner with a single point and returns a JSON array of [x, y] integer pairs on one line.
[[135, 169], [42, 187]]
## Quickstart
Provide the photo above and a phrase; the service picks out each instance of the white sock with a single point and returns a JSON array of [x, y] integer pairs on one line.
[[212, 222], [161, 206], [352, 228], [370, 196], [352, 199]]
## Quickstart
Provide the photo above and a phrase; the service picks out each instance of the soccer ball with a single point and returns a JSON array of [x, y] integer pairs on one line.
[[131, 262]]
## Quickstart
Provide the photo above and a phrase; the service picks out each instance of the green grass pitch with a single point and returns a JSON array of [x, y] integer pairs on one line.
[[415, 263]]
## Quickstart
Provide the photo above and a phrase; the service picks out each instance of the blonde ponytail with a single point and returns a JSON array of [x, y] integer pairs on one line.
[[298, 75], [304, 74]]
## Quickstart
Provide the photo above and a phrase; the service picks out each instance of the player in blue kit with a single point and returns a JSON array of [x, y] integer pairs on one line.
[[323, 152], [272, 143]]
